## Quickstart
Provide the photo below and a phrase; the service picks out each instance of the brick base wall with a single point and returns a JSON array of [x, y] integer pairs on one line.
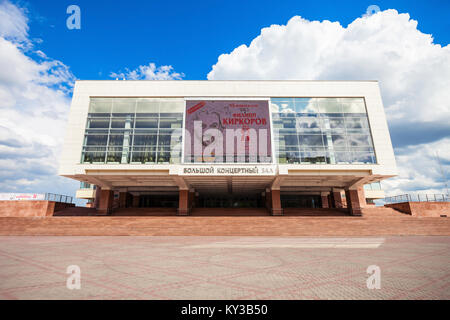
[[27, 208], [422, 209]]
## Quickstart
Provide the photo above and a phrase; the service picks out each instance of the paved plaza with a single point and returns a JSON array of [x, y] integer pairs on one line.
[[225, 267]]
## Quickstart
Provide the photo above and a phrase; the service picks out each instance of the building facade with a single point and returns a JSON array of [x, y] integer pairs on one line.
[[187, 144]]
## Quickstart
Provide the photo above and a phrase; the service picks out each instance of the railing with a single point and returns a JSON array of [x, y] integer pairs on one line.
[[417, 198], [58, 198]]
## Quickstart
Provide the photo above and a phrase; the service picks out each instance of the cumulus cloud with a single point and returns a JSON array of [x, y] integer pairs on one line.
[[34, 104], [13, 22], [149, 72], [413, 71]]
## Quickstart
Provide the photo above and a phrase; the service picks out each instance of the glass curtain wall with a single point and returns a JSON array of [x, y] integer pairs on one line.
[[321, 131], [138, 130]]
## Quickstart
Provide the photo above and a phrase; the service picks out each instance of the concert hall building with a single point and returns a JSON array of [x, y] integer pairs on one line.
[[184, 145]]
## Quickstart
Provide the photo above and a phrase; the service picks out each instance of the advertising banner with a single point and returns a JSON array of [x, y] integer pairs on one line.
[[21, 196], [227, 131]]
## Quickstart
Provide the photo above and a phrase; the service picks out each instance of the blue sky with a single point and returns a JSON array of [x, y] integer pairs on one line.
[[405, 47], [189, 35]]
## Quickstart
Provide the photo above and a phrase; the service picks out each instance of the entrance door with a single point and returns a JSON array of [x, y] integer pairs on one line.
[[158, 201], [300, 201], [230, 201]]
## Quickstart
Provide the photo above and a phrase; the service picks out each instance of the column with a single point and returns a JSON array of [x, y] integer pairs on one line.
[[135, 202], [122, 199], [355, 200], [337, 198], [330, 200], [276, 203], [106, 202], [268, 200], [324, 198], [191, 199], [183, 203], [98, 191]]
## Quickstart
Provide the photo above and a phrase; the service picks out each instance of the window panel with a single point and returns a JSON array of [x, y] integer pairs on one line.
[[359, 140], [98, 123], [96, 140], [123, 106], [143, 157], [305, 105], [363, 157], [329, 105], [314, 157], [339, 141], [308, 124], [100, 105], [147, 106], [357, 124], [353, 105], [146, 123], [145, 140], [116, 139], [311, 140]]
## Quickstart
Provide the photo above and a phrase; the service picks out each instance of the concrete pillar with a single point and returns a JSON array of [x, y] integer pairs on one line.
[[191, 198], [98, 191], [135, 202], [106, 202], [269, 200], [330, 200], [355, 201], [122, 200], [276, 203], [324, 198], [183, 203], [337, 198]]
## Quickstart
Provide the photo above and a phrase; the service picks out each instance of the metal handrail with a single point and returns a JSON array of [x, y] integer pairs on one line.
[[417, 198], [58, 198]]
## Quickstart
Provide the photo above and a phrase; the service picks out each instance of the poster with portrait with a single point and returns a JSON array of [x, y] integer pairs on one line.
[[224, 131]]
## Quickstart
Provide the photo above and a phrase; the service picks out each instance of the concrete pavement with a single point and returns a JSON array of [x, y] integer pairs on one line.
[[412, 267]]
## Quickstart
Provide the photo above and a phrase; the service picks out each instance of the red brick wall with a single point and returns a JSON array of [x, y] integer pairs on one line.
[[422, 209], [26, 208]]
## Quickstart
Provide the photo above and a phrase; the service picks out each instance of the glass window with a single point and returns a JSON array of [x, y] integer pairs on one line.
[[353, 105], [147, 106], [358, 140], [357, 124], [100, 105], [171, 106], [146, 123], [305, 106], [315, 157], [309, 124], [93, 155], [329, 105], [98, 123], [114, 155], [311, 140], [116, 139], [123, 106], [96, 140], [145, 140], [334, 125]]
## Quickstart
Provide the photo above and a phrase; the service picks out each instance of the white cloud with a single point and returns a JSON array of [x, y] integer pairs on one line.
[[149, 72], [414, 72], [419, 169], [13, 22], [34, 104]]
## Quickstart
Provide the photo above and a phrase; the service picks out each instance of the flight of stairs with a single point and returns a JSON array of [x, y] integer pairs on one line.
[[225, 226], [75, 212]]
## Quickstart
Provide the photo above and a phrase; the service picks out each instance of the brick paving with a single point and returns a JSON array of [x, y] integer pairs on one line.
[[412, 267]]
